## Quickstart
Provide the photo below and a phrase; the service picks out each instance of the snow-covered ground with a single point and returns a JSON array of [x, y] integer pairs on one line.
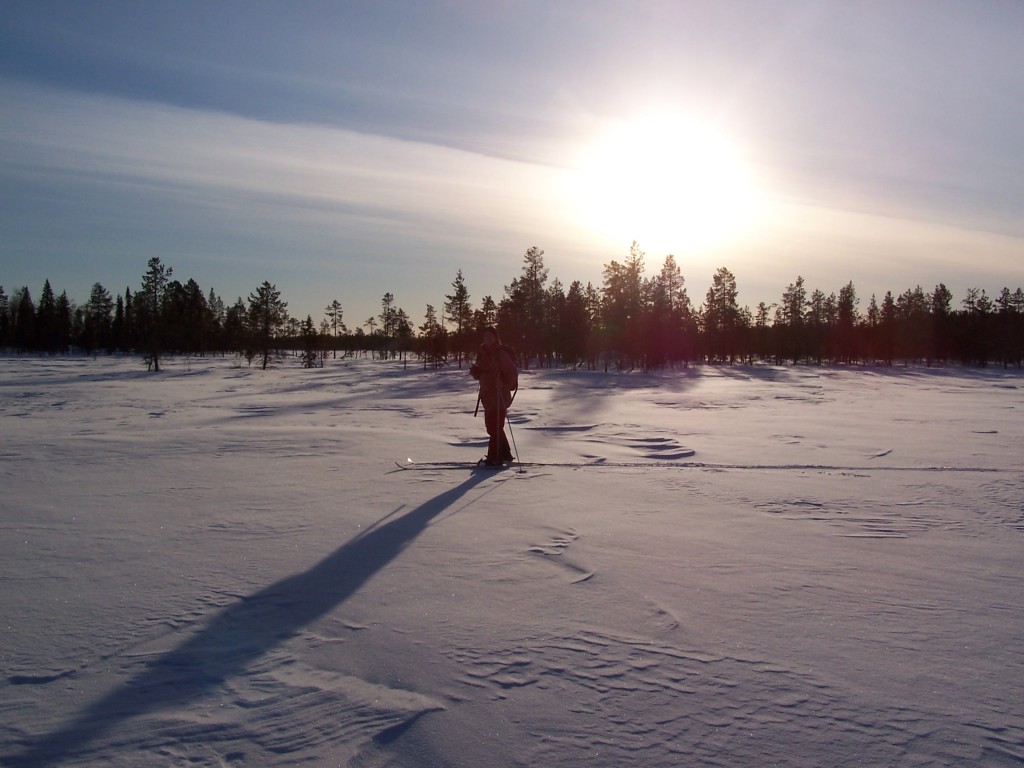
[[218, 565]]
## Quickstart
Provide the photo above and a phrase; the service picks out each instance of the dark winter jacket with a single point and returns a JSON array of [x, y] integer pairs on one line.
[[496, 371]]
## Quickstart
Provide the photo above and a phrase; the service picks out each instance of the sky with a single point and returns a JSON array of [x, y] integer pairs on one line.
[[344, 150]]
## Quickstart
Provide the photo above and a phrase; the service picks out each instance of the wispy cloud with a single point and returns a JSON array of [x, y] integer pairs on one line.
[[306, 188]]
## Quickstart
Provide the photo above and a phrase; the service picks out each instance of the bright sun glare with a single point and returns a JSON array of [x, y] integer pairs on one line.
[[668, 183]]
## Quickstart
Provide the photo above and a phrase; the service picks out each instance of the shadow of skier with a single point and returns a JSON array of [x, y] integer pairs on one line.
[[243, 632]]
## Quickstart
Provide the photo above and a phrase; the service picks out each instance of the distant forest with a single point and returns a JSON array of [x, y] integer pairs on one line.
[[630, 322]]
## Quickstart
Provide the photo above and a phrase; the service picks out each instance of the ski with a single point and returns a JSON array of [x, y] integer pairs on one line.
[[444, 465], [410, 464]]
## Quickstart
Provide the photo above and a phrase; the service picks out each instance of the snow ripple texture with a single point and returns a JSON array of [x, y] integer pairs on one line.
[[628, 700], [735, 566]]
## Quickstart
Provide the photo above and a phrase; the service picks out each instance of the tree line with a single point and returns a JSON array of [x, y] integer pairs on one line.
[[631, 321]]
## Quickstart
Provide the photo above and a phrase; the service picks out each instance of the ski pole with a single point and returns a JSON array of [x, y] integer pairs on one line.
[[499, 416], [511, 434], [503, 411]]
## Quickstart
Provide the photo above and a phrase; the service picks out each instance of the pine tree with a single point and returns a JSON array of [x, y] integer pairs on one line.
[[388, 321], [149, 309], [976, 344], [790, 321], [130, 331], [97, 320], [5, 319], [196, 318], [460, 312], [47, 321], [819, 319], [722, 318], [762, 343], [403, 332], [433, 339], [576, 325], [624, 307], [64, 323], [521, 319], [671, 329], [1017, 328], [845, 332], [236, 327], [486, 316], [117, 327], [887, 328], [218, 313], [941, 314], [554, 311], [335, 313], [913, 339], [267, 313], [310, 346], [23, 320]]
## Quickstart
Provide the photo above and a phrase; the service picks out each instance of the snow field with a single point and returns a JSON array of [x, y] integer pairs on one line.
[[793, 567]]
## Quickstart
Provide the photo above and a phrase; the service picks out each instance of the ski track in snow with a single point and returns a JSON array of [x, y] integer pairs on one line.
[[214, 567]]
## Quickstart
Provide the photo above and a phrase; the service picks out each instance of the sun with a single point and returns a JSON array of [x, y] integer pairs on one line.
[[668, 182]]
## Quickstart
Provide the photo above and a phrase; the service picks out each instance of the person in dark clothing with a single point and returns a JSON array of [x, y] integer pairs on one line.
[[495, 369]]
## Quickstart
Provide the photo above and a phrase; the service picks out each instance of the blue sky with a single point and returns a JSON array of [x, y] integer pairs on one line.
[[342, 150]]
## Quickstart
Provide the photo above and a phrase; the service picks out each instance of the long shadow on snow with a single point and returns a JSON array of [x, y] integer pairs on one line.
[[242, 633]]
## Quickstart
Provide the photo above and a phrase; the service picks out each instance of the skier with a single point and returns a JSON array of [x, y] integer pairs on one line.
[[496, 371]]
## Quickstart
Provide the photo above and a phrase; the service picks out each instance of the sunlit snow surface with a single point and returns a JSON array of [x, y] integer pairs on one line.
[[219, 565]]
